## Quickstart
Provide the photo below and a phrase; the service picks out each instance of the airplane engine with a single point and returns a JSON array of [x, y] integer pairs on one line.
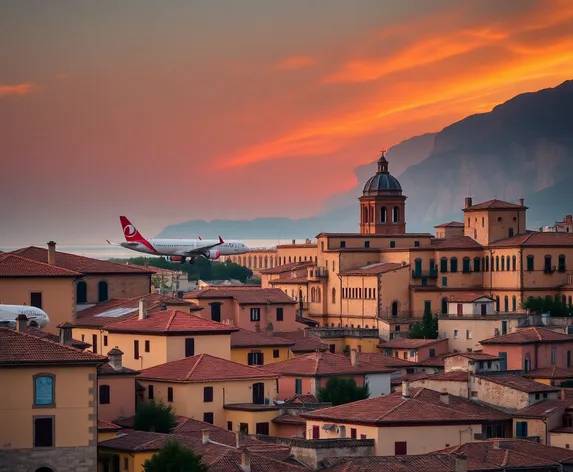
[[177, 259], [213, 255]]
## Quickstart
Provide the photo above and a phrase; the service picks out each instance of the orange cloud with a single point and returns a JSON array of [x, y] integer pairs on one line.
[[294, 63], [18, 89]]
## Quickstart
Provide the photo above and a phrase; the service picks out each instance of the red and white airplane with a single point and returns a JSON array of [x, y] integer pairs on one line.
[[178, 250]]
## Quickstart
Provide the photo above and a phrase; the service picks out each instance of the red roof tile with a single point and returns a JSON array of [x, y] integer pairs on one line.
[[451, 224], [420, 463], [300, 398], [54, 337], [424, 406], [407, 343], [383, 360], [543, 409], [123, 308], [494, 205], [373, 236], [203, 368], [107, 426], [303, 342], [85, 265], [16, 266], [244, 295], [246, 338], [290, 279], [169, 322], [553, 372], [319, 364], [21, 349], [375, 269], [468, 297], [518, 383], [475, 356], [287, 267], [536, 239], [528, 336], [460, 242]]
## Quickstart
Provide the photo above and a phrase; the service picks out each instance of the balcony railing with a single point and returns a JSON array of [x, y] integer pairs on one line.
[[428, 274]]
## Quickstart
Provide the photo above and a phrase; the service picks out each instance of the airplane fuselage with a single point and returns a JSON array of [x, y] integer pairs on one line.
[[9, 313], [178, 247]]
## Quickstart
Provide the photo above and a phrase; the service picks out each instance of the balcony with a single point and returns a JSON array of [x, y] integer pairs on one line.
[[317, 273], [549, 269], [425, 274]]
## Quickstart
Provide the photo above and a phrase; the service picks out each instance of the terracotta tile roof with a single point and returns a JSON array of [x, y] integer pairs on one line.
[[460, 242], [169, 322], [409, 378], [55, 338], [504, 454], [451, 224], [375, 269], [203, 368], [85, 265], [519, 383], [289, 279], [319, 364], [475, 356], [543, 409], [303, 342], [383, 360], [536, 239], [494, 205], [423, 406], [244, 295], [468, 297], [287, 267], [303, 399], [553, 372], [246, 338], [436, 361], [452, 376], [407, 343], [528, 336], [16, 266], [106, 370], [420, 463], [123, 308], [107, 426], [231, 461], [373, 236], [21, 349], [287, 418]]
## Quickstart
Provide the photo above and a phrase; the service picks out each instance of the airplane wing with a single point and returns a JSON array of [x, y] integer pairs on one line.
[[200, 250], [123, 244]]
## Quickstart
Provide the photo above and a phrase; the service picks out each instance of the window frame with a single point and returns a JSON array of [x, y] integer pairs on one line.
[[102, 396], [255, 313], [34, 398], [42, 417]]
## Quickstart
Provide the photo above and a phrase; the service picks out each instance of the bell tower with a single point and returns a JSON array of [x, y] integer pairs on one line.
[[382, 205]]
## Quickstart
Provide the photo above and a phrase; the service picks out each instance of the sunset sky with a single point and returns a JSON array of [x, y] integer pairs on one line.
[[174, 110]]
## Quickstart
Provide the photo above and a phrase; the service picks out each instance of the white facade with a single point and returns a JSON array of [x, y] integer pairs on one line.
[[378, 384], [482, 306]]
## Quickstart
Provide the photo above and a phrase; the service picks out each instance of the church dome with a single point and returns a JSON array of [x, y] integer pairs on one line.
[[382, 181]]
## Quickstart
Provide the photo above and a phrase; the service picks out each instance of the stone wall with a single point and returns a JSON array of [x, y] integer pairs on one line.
[[59, 459], [119, 285]]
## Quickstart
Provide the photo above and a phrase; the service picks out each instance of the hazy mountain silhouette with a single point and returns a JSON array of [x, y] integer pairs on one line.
[[522, 148]]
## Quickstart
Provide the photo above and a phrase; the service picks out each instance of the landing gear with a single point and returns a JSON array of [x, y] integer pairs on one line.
[[191, 260]]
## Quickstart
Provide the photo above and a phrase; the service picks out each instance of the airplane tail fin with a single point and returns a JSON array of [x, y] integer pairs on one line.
[[131, 234], [221, 240]]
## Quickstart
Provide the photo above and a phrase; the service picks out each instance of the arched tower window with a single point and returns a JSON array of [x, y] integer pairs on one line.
[[395, 215], [445, 305], [365, 216], [395, 309], [383, 215], [102, 291], [371, 211], [81, 292], [333, 295]]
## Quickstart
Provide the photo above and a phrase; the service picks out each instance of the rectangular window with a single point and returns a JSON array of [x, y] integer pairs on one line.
[[44, 432], [276, 354], [230, 425], [136, 349], [444, 281], [468, 333], [244, 427], [262, 428], [397, 328], [400, 448], [342, 244], [521, 429], [150, 392], [125, 463], [208, 418], [455, 334], [432, 352], [255, 358], [392, 243], [416, 243], [412, 353], [169, 394], [255, 314], [353, 433], [105, 340], [147, 346], [36, 299], [366, 243], [189, 347], [298, 386], [332, 348], [405, 355], [503, 361], [316, 432], [207, 394], [279, 314], [553, 355], [104, 395], [94, 343], [44, 389], [362, 436]]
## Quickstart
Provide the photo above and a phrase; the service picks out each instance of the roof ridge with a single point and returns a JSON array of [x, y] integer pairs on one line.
[[72, 272], [171, 319], [195, 365]]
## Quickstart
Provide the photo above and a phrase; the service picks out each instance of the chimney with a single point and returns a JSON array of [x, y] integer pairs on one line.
[[21, 323], [405, 389], [115, 356], [205, 436], [521, 202], [353, 360], [246, 462], [142, 309], [469, 202], [270, 329], [495, 444], [294, 241], [444, 397], [52, 253], [461, 463], [65, 333], [240, 439], [163, 307]]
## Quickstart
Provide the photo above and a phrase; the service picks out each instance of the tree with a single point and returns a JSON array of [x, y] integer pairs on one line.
[[174, 458], [425, 329], [154, 416], [339, 391], [553, 306]]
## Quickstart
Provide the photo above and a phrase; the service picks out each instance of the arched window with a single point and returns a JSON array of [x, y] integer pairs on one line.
[[44, 390], [502, 262], [466, 265], [497, 303], [507, 262], [444, 264], [266, 262], [81, 292], [333, 295], [395, 214], [497, 263], [318, 294], [454, 264], [249, 262], [547, 263], [530, 262], [513, 263], [513, 303], [371, 219], [417, 267], [486, 264], [395, 309], [563, 300], [383, 215], [477, 264], [562, 265], [102, 291], [570, 302], [506, 303], [365, 215], [445, 305]]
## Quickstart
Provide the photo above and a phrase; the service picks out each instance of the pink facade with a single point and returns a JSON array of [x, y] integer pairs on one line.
[[533, 356], [121, 396], [417, 354], [309, 385]]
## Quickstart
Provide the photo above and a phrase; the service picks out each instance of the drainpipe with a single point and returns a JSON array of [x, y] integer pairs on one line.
[[521, 276]]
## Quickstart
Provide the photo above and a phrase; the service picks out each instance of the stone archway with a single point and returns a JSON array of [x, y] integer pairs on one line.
[[44, 469]]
